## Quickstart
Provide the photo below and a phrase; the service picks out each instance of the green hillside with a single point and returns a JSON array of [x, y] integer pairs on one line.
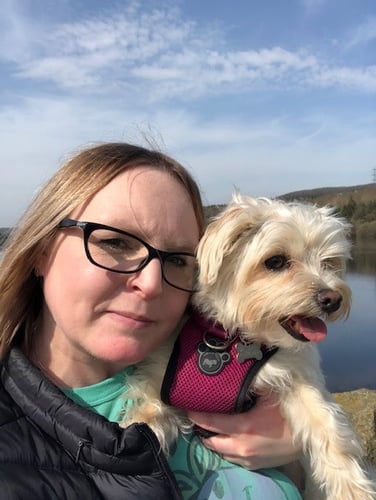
[[356, 203], [335, 196]]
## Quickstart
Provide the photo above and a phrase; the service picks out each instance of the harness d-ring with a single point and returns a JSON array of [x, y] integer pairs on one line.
[[222, 345]]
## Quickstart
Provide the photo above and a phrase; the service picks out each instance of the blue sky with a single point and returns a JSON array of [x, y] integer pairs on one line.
[[263, 96]]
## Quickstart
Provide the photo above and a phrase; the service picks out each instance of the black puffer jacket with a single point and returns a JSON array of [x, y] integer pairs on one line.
[[51, 448]]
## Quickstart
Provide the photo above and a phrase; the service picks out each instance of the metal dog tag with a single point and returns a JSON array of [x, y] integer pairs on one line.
[[212, 356], [248, 351]]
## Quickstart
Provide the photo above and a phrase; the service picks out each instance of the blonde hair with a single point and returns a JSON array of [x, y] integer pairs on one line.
[[91, 169]]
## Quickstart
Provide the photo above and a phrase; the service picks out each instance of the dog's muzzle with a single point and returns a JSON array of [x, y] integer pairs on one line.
[[309, 328]]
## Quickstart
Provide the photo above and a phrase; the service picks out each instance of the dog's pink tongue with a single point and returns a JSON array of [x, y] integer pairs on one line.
[[313, 329]]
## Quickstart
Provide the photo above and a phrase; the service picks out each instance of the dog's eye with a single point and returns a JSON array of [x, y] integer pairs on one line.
[[331, 264], [277, 263], [327, 264]]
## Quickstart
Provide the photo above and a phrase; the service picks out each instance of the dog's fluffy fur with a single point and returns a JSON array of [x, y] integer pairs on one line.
[[271, 269]]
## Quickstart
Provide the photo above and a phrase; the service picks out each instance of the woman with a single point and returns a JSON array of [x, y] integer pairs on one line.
[[76, 318]]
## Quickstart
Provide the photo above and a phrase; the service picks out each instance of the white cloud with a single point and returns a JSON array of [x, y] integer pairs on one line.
[[162, 55], [346, 77], [362, 34], [83, 53], [311, 7]]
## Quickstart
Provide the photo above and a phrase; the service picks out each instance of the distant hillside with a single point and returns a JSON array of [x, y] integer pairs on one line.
[[335, 196], [356, 203]]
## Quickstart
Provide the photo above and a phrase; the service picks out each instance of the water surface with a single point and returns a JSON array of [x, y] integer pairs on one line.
[[349, 352]]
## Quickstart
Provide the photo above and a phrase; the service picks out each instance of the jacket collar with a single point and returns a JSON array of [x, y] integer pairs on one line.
[[84, 434]]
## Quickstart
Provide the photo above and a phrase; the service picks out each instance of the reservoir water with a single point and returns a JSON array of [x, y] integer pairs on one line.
[[349, 351]]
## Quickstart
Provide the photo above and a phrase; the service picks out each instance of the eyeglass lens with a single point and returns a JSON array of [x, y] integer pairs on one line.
[[123, 253]]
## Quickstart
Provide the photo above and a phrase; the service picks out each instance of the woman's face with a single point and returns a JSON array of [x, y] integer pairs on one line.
[[98, 317]]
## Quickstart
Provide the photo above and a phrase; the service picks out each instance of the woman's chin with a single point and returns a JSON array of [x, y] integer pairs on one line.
[[123, 351]]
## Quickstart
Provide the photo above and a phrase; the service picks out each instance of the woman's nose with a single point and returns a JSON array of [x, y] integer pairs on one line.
[[150, 279]]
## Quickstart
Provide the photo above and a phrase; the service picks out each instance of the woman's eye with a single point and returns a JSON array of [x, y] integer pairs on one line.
[[177, 260], [277, 263], [115, 243], [118, 244]]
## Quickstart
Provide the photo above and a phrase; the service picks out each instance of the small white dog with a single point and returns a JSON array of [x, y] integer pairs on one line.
[[270, 272]]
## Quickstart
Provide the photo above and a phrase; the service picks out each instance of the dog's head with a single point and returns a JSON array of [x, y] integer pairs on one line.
[[274, 270]]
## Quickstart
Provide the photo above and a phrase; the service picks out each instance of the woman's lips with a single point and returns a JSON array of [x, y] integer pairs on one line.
[[128, 318]]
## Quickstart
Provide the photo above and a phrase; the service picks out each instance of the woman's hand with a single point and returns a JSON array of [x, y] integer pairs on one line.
[[259, 438]]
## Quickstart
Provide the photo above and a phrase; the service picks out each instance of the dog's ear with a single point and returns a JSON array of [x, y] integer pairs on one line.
[[219, 240]]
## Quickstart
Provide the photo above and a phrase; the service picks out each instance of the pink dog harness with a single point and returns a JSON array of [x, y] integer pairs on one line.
[[210, 372]]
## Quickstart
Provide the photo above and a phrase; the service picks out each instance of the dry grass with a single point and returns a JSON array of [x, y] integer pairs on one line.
[[361, 407]]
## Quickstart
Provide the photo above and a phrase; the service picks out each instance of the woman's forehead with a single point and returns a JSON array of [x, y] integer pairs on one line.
[[139, 186], [145, 200]]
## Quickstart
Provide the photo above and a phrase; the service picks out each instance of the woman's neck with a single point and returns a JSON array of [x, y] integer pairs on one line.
[[64, 364]]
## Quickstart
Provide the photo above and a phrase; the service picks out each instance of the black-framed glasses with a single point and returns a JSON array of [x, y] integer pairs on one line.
[[122, 252]]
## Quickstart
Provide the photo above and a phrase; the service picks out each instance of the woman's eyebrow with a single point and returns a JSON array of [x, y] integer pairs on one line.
[[183, 249], [175, 247]]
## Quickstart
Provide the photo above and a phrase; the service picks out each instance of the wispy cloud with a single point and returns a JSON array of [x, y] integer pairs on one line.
[[347, 77], [362, 34], [88, 52], [166, 56], [312, 7]]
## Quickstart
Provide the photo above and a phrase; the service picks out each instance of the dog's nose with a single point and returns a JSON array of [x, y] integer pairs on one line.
[[329, 300]]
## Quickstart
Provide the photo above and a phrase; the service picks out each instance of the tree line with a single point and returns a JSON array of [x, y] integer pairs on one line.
[[362, 216]]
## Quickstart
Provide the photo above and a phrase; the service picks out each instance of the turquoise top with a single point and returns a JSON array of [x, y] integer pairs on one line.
[[105, 398], [201, 473]]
